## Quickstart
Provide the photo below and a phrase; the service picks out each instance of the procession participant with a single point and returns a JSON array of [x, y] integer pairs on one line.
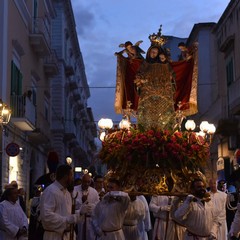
[[20, 200], [98, 185], [109, 214], [222, 186], [235, 226], [219, 200], [134, 215], [197, 215], [145, 225], [13, 221], [35, 226], [87, 198], [56, 206], [163, 225]]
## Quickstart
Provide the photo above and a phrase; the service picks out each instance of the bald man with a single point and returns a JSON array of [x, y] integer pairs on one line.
[[87, 198], [219, 199]]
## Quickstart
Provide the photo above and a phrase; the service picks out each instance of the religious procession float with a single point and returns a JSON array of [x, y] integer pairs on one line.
[[155, 156]]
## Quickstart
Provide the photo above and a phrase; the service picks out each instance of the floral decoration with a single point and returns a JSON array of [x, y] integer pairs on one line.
[[162, 148]]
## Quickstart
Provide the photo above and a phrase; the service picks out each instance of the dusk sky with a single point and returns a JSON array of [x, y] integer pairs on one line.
[[103, 24]]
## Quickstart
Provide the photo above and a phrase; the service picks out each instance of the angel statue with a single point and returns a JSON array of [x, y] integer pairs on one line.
[[126, 96], [132, 51]]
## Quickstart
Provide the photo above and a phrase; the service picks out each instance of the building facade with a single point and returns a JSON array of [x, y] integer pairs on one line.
[[43, 81], [218, 87]]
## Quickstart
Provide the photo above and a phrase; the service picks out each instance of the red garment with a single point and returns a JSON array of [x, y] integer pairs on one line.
[[130, 93], [184, 73]]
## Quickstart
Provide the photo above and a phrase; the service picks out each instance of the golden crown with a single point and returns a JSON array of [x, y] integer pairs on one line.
[[158, 39]]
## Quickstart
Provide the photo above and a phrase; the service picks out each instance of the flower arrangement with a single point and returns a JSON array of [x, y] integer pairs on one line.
[[162, 148]]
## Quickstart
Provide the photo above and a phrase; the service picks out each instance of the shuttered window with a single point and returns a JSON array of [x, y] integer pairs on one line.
[[16, 80]]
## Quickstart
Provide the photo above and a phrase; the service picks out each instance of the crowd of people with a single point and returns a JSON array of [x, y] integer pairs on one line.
[[98, 208]]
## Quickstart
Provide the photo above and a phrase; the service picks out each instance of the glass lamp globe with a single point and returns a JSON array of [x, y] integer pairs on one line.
[[204, 126], [102, 136], [69, 160], [105, 123], [190, 125], [124, 124], [211, 128]]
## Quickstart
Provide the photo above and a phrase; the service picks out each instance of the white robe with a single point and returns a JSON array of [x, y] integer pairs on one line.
[[219, 202], [55, 208], [145, 225], [134, 215], [85, 228], [163, 224], [109, 214], [235, 226], [12, 218], [200, 220]]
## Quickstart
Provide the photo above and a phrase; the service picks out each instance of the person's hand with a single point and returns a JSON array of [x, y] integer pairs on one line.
[[165, 208], [89, 208], [71, 219], [232, 236], [84, 209]]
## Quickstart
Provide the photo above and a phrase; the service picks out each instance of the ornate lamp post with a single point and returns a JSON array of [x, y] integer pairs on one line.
[[5, 113], [207, 129]]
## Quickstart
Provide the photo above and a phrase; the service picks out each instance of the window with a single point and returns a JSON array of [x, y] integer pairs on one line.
[[230, 70], [34, 92], [16, 80], [46, 110]]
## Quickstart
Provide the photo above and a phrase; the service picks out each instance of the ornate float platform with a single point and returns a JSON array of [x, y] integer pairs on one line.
[[155, 161]]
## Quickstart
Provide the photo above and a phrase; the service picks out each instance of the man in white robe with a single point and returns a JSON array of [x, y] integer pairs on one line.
[[197, 215], [13, 221], [234, 232], [134, 215], [98, 185], [164, 227], [219, 200], [87, 198], [56, 206], [145, 225], [110, 212]]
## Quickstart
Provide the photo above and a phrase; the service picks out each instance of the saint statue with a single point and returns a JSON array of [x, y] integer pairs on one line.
[[157, 88]]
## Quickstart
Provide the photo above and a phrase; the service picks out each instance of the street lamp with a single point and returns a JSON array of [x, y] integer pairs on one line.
[[5, 113], [69, 160]]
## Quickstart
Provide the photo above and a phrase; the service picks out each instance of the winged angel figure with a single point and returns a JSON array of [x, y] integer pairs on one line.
[[128, 63]]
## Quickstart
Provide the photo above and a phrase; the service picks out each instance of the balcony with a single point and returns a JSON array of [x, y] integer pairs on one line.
[[23, 113], [234, 98], [38, 137], [51, 64], [39, 37], [69, 70], [70, 131], [73, 85], [76, 96]]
